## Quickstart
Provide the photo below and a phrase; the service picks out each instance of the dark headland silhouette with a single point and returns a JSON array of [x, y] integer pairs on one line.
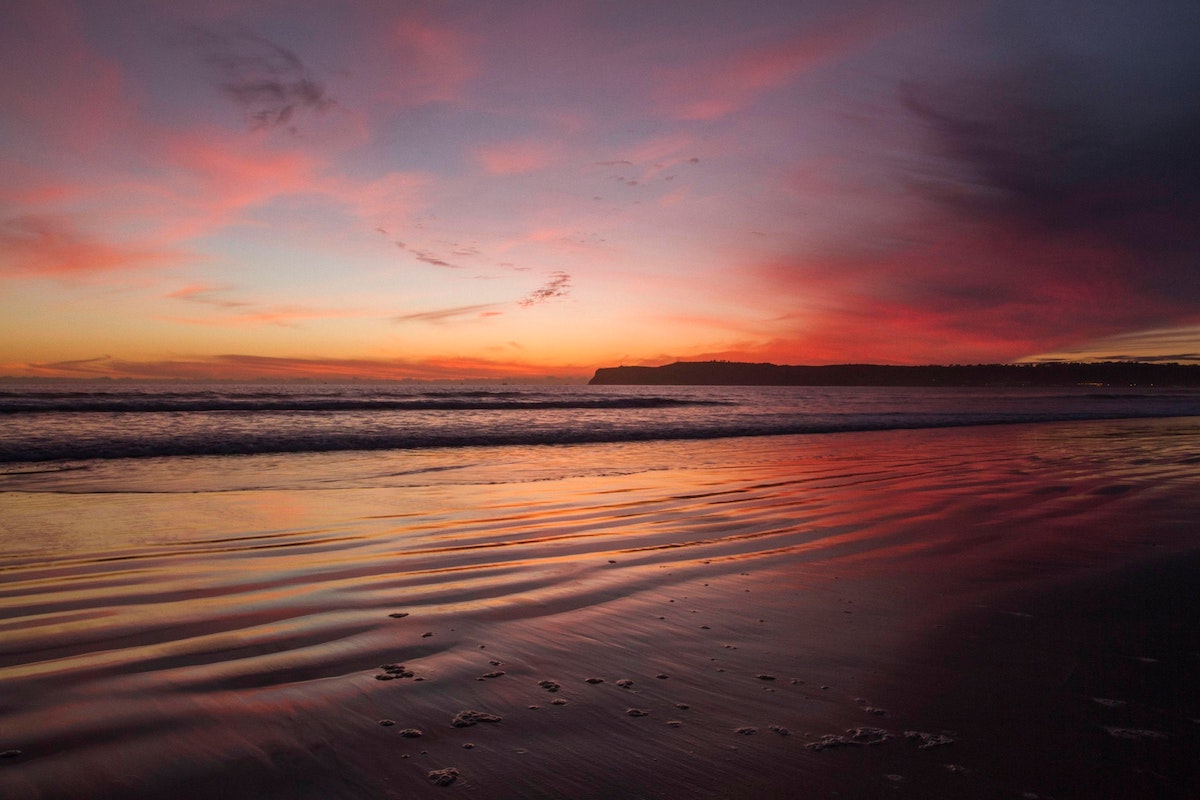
[[733, 373]]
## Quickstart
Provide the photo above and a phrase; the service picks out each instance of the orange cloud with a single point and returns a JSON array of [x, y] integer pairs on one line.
[[235, 312], [252, 367]]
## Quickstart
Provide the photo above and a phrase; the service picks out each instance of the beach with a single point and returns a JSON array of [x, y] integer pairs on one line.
[[990, 611]]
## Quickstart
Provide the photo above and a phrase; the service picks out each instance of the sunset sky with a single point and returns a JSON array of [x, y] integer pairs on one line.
[[458, 189]]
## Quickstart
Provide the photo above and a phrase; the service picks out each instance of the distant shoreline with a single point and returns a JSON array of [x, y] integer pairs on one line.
[[733, 373]]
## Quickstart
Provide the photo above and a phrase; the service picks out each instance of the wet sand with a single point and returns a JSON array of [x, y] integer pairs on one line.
[[982, 612]]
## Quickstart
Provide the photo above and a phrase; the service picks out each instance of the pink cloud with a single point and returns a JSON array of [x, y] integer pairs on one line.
[[75, 97], [55, 246], [220, 174], [724, 85], [413, 60], [512, 158]]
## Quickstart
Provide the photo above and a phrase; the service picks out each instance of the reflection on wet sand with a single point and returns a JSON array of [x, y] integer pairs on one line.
[[748, 598]]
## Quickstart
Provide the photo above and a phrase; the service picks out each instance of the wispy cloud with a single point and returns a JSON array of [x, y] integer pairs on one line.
[[443, 314], [267, 81], [207, 295], [559, 285]]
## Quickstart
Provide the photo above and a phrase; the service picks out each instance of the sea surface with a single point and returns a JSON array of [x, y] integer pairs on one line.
[[215, 591], [75, 422]]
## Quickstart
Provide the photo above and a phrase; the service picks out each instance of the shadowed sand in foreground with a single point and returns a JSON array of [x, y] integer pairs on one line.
[[978, 612]]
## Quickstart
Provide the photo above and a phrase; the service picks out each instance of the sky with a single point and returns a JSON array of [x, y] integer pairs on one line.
[[450, 189]]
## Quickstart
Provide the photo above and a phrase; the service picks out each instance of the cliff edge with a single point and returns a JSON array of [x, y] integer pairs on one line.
[[733, 373]]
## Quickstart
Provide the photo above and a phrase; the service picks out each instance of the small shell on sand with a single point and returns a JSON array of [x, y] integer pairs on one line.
[[636, 712], [443, 777], [465, 719]]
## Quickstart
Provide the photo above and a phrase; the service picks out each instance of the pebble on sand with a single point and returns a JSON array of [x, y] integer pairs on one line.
[[411, 733], [747, 731], [467, 718], [399, 615], [393, 671], [594, 680], [853, 737], [625, 683], [637, 712], [782, 731], [387, 723], [1134, 733], [10, 754], [928, 740], [558, 701], [550, 686], [444, 777]]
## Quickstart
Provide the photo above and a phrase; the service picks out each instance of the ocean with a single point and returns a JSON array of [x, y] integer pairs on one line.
[[295, 591], [82, 422]]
